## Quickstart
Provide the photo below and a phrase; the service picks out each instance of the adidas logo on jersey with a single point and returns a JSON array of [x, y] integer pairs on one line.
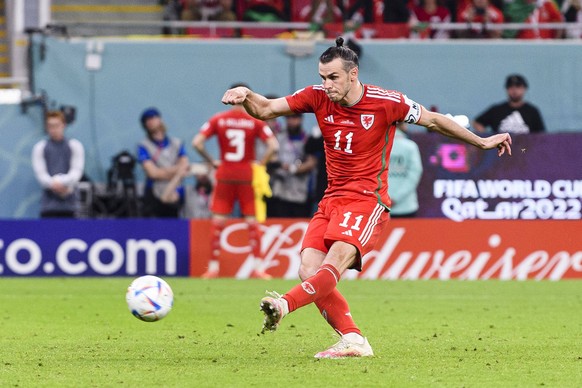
[[348, 233], [329, 119]]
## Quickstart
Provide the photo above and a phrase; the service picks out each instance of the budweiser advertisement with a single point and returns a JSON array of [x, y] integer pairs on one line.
[[412, 249], [540, 181]]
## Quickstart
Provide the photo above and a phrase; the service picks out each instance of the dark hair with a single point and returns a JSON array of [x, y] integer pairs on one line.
[[346, 54], [515, 80], [239, 84]]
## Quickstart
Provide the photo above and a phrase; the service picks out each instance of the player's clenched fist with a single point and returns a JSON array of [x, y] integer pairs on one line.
[[235, 96]]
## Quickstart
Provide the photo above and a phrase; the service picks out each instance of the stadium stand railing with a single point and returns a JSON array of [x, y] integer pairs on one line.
[[216, 29]]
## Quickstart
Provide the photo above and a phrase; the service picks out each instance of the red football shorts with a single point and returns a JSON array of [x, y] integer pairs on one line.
[[225, 195], [354, 221]]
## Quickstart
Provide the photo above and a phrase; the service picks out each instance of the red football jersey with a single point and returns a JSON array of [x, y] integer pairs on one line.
[[237, 132], [358, 138]]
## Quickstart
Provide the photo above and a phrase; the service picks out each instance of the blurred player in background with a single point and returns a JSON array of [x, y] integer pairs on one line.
[[358, 123], [237, 133]]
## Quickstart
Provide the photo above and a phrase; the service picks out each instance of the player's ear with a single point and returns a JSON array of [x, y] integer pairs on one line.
[[354, 74]]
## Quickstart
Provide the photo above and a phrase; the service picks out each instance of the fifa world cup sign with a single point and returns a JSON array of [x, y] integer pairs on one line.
[[540, 181], [414, 249]]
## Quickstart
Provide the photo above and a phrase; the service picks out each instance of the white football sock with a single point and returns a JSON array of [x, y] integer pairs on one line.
[[213, 265]]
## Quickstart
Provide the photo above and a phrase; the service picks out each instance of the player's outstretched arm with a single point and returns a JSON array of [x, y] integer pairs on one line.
[[256, 104], [442, 124]]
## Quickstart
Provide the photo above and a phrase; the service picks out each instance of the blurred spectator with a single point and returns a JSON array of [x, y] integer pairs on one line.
[[203, 10], [170, 194], [515, 115], [516, 11], [58, 164], [321, 12], [429, 11], [456, 6], [290, 173], [395, 11], [352, 12], [266, 11], [532, 12], [197, 201], [404, 174], [315, 152], [544, 11], [572, 11], [162, 159], [480, 11], [203, 190], [172, 12], [237, 133], [362, 11], [453, 6]]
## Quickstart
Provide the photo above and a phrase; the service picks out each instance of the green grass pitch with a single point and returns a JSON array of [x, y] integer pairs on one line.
[[73, 332]]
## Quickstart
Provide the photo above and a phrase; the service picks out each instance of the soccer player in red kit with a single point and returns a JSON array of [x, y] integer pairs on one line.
[[357, 122], [237, 133]]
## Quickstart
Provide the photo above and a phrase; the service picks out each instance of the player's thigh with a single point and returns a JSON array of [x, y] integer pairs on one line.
[[223, 197], [246, 199], [314, 235]]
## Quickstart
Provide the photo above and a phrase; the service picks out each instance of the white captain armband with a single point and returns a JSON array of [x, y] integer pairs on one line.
[[414, 111]]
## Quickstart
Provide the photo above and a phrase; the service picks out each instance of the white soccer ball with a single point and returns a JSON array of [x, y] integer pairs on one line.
[[149, 298]]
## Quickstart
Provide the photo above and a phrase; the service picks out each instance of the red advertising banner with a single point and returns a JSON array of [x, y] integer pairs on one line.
[[413, 249]]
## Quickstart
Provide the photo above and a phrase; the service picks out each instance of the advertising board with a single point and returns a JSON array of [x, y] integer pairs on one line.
[[542, 180], [414, 249], [94, 247]]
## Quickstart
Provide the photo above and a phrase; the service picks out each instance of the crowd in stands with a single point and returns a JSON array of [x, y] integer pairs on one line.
[[389, 18]]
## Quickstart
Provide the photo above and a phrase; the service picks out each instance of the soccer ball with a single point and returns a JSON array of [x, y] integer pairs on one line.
[[149, 298]]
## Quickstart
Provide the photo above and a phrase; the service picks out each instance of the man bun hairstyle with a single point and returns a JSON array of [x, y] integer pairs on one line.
[[346, 54]]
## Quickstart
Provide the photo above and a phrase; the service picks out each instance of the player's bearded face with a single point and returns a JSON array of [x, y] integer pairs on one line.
[[335, 80]]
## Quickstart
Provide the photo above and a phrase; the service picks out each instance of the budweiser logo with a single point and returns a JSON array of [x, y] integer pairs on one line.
[[391, 263], [280, 247], [506, 250]]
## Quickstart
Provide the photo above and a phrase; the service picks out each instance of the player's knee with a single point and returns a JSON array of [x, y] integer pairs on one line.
[[306, 271]]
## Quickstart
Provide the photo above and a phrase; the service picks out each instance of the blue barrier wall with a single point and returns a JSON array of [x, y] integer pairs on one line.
[[185, 79]]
